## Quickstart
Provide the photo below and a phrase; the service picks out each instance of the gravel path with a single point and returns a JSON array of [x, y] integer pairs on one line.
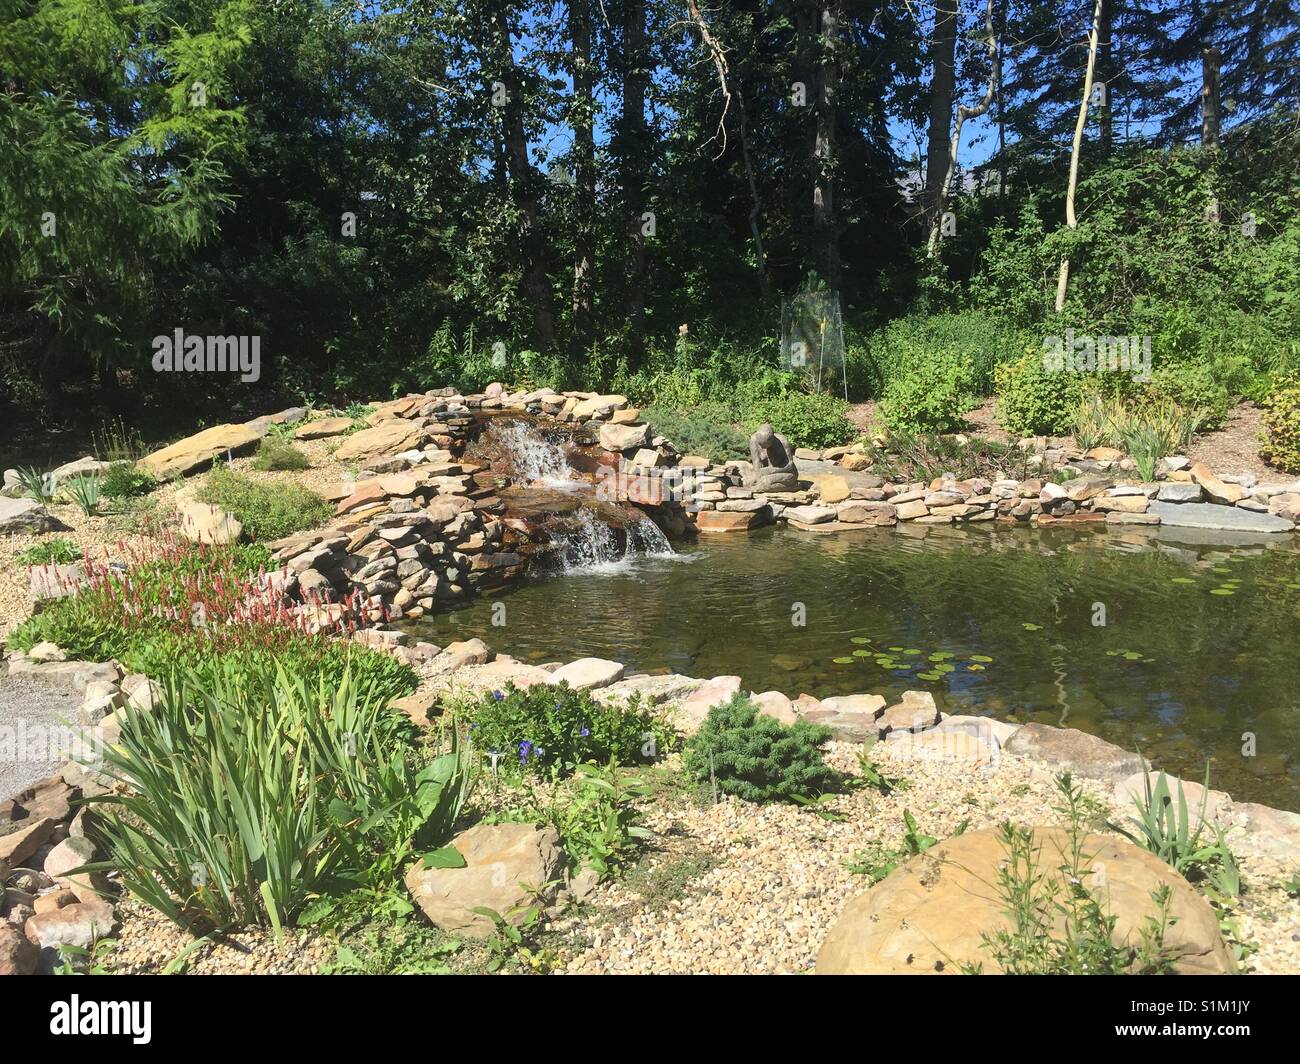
[[32, 734]]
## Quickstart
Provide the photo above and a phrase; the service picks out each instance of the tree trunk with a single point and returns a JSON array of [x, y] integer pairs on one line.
[[635, 158], [524, 184], [1210, 98], [965, 113], [1106, 72], [1071, 219], [943, 49], [584, 151], [824, 224]]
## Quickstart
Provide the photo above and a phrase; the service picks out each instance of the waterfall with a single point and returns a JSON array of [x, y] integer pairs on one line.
[[532, 458]]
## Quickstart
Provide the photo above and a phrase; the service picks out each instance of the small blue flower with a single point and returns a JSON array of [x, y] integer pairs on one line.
[[585, 732], [525, 748], [497, 696]]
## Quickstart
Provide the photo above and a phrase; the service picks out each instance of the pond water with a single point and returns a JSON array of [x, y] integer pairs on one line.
[[1198, 644]]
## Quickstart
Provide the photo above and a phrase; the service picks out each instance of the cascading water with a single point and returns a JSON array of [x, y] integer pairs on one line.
[[585, 542]]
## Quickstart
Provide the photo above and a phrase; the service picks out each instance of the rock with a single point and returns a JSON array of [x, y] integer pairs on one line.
[[776, 705], [809, 515], [691, 711], [1067, 748], [500, 861], [624, 437], [1217, 490], [17, 955], [1173, 491], [72, 853], [56, 581], [930, 914], [587, 673], [732, 521], [45, 651], [855, 463], [911, 510], [205, 523], [26, 516], [851, 718], [420, 707], [458, 655], [198, 451], [1224, 518], [19, 845], [70, 673], [942, 744], [1132, 788], [57, 899], [325, 427], [1265, 831], [915, 712], [388, 437], [51, 797], [600, 406], [995, 732], [77, 925], [1123, 504], [1104, 454], [101, 698], [831, 488], [651, 689]]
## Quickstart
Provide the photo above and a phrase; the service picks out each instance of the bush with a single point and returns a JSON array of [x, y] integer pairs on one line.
[[124, 480], [757, 758], [1196, 388], [704, 430], [1282, 427], [808, 420], [552, 730], [981, 341], [249, 791], [1033, 400], [930, 395], [266, 509], [57, 551], [276, 453]]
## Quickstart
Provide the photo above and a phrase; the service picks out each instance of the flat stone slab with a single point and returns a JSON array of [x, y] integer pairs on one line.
[[1221, 518], [1080, 753]]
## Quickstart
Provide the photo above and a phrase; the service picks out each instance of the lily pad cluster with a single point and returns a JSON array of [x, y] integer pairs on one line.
[[913, 660]]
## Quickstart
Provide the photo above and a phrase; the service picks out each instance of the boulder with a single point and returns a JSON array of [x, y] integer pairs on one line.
[[204, 523], [776, 705], [831, 488], [624, 437], [732, 521], [1174, 491], [19, 845], [388, 437], [326, 426], [1078, 752], [587, 673], [851, 718], [501, 860], [1222, 518], [916, 711], [56, 581], [599, 406], [77, 925], [197, 451], [930, 915], [17, 955], [26, 516], [1217, 490], [809, 515], [692, 710]]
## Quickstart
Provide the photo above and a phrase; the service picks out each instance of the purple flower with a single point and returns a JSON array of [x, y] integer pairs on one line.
[[497, 696], [585, 732], [525, 748]]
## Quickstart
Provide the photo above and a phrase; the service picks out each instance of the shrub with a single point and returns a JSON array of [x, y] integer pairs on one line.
[[85, 493], [981, 341], [55, 551], [277, 453], [1034, 401], [808, 420], [248, 791], [704, 430], [757, 758], [930, 395], [552, 730], [266, 509], [1282, 427], [1195, 388], [125, 480], [37, 486]]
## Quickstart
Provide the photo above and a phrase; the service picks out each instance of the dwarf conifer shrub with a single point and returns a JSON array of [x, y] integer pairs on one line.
[[757, 758]]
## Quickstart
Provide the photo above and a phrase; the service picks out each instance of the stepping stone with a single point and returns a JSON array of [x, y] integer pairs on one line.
[[1224, 518]]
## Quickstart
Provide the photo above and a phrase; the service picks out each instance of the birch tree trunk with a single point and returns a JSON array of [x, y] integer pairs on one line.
[[1071, 219]]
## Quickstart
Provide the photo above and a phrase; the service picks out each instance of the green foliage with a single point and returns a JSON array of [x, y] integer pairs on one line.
[[1196, 388], [976, 341], [85, 491], [277, 453], [757, 758], [550, 731], [56, 551], [1033, 400], [704, 430], [267, 509], [38, 486], [930, 394], [118, 443], [1281, 445], [250, 790], [878, 860], [125, 480], [806, 419]]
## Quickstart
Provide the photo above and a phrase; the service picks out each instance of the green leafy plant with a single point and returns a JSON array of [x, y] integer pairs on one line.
[[275, 452], [807, 419], [878, 860], [1281, 443], [125, 480], [550, 731], [1033, 400], [56, 551], [37, 485], [704, 430], [85, 493], [267, 509], [932, 394], [757, 758], [117, 442]]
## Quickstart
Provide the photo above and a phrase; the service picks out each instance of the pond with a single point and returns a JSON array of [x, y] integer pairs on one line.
[[1176, 649]]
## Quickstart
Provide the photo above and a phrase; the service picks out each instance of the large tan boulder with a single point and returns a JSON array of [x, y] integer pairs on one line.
[[322, 428], [930, 914], [202, 522], [501, 860], [197, 452], [732, 520], [624, 437], [388, 437]]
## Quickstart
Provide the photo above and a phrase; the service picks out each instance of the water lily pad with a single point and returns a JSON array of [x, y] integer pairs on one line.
[[895, 650], [928, 676], [1131, 655], [940, 655], [981, 657], [944, 667], [859, 639], [1222, 591], [912, 653], [842, 661], [1029, 626], [974, 668], [1182, 580], [862, 653]]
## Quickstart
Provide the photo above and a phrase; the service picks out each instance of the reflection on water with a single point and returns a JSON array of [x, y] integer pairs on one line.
[[1176, 649]]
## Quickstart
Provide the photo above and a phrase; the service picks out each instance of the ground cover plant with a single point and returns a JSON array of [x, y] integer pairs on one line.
[[267, 509]]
